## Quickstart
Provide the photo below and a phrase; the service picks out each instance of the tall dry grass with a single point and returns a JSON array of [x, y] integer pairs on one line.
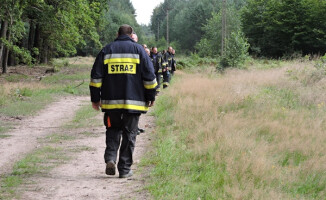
[[267, 128]]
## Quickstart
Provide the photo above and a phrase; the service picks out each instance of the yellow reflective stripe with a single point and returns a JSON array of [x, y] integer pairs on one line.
[[152, 86], [122, 60], [121, 55], [124, 106], [97, 85]]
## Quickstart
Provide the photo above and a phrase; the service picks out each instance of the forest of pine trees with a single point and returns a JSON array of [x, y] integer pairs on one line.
[[35, 31]]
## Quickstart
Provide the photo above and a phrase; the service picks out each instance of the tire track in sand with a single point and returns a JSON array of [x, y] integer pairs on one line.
[[23, 138], [83, 177]]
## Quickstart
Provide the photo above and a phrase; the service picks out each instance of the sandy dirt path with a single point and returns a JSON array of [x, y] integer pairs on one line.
[[23, 138], [82, 177]]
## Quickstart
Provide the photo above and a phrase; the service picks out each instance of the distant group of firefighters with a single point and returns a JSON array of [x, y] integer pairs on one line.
[[164, 65]]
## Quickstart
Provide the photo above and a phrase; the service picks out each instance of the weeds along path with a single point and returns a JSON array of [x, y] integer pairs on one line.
[[23, 138]]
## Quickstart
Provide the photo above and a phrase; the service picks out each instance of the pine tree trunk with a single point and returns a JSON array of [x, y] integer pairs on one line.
[[6, 54], [223, 27], [37, 42], [45, 53], [3, 34], [11, 59], [31, 35]]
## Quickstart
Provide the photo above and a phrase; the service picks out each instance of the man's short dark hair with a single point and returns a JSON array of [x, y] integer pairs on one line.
[[125, 29]]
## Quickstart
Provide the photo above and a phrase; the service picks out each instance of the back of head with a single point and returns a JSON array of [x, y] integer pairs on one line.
[[125, 29]]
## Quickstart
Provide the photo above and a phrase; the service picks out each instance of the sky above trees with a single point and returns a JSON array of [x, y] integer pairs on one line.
[[144, 9]]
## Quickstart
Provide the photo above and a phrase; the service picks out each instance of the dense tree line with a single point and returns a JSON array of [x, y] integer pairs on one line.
[[283, 27], [34, 31], [188, 19], [274, 28]]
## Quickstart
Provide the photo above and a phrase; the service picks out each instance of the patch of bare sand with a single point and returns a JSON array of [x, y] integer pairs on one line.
[[84, 177]]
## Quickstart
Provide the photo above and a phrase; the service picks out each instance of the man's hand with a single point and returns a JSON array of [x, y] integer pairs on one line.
[[150, 103], [96, 105]]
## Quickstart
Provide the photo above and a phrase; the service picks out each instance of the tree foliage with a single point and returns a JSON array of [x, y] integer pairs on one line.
[[34, 31], [188, 20], [236, 50], [37, 30], [210, 43], [276, 28]]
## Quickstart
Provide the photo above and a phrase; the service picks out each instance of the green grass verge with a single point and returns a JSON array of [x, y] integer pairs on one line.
[[178, 173], [29, 105], [181, 173], [69, 79]]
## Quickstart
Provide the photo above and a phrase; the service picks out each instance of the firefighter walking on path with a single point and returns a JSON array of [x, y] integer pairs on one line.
[[157, 63], [123, 85], [167, 64]]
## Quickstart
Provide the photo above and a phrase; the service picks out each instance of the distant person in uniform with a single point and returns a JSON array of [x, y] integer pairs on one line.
[[148, 51], [157, 63], [167, 62], [123, 85], [174, 63]]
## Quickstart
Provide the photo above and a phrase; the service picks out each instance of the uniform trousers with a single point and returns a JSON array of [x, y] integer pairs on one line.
[[166, 78], [158, 79], [120, 128]]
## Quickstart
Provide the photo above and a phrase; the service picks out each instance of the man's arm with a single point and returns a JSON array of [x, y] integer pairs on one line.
[[96, 81]]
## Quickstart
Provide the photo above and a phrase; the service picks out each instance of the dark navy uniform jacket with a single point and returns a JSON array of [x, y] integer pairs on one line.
[[122, 77], [157, 62]]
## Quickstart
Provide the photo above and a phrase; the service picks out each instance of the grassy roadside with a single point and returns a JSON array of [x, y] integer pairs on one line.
[[53, 151], [257, 133], [29, 89]]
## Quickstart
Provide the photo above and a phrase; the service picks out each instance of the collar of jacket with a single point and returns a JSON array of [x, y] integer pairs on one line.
[[124, 37]]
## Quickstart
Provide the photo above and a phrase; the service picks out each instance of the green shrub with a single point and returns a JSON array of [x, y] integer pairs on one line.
[[236, 51], [195, 61], [26, 92], [321, 63]]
